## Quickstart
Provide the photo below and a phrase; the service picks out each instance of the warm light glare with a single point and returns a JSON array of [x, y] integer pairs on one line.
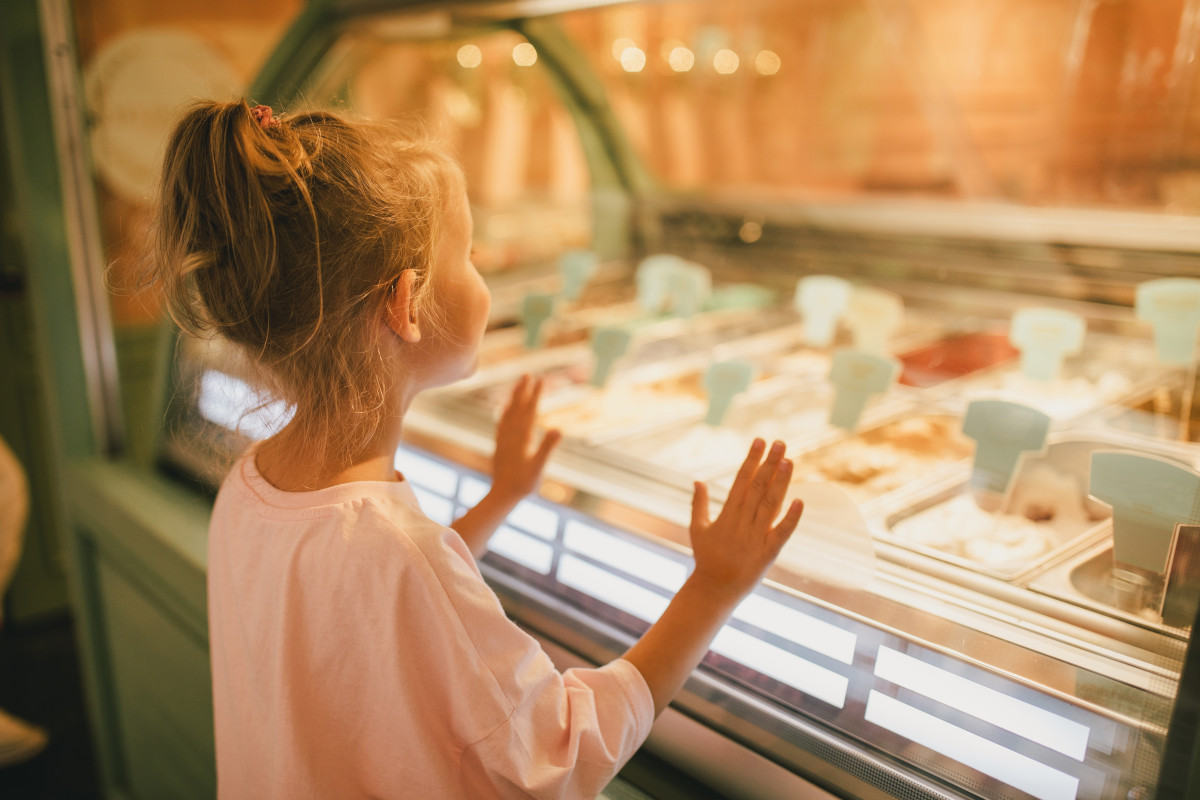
[[621, 45], [524, 54], [726, 62], [767, 63], [667, 46], [632, 59], [750, 232], [470, 56], [681, 59]]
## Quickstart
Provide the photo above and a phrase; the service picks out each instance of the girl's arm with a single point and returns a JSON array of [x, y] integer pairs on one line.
[[732, 554], [515, 470]]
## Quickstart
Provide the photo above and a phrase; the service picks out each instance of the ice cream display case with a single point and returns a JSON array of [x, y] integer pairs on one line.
[[876, 231]]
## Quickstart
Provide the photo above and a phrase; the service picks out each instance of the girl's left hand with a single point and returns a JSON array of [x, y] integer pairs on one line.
[[515, 470]]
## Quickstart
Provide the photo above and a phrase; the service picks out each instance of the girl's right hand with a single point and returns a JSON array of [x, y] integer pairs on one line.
[[734, 551]]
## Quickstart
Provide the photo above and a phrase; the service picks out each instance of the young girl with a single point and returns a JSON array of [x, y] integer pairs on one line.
[[356, 650]]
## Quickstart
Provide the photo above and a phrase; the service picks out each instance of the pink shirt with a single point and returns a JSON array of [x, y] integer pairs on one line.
[[357, 652]]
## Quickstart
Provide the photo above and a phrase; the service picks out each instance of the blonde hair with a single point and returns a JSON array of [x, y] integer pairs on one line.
[[286, 239]]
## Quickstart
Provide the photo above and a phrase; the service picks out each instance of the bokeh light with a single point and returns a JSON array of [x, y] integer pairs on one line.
[[470, 56], [681, 59], [726, 62], [633, 59], [767, 62], [524, 55]]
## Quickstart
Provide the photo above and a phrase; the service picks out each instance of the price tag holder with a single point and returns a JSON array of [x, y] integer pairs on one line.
[[1172, 306], [856, 376], [821, 300], [724, 381], [1150, 497], [1045, 336], [536, 308], [608, 345], [874, 316], [1003, 433], [689, 286], [654, 281], [577, 268]]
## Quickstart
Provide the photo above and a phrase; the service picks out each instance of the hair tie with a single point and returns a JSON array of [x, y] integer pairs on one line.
[[262, 115]]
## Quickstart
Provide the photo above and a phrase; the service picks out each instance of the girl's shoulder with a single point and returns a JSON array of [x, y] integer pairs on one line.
[[372, 516]]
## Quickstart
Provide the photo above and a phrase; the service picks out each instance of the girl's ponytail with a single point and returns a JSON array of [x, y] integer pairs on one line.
[[284, 234]]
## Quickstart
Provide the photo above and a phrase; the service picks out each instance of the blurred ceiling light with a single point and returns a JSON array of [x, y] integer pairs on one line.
[[681, 59], [726, 62], [667, 46], [632, 59], [524, 55], [750, 232], [767, 62], [621, 45], [470, 56]]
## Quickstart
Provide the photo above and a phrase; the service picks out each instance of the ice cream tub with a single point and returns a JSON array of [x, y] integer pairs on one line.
[[1108, 371], [903, 451], [1046, 515]]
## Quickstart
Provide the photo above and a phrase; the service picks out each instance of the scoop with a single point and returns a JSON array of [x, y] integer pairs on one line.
[[1003, 432], [874, 316], [821, 300], [1150, 497], [856, 376], [832, 543], [536, 308], [1045, 336], [576, 268]]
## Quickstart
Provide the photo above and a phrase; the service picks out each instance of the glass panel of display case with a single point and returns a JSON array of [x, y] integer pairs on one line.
[[486, 95], [1038, 102]]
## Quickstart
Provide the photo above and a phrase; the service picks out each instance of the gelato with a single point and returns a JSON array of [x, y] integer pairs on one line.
[[883, 459]]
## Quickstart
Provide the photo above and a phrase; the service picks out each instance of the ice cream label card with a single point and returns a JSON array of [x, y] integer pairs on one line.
[[1003, 433], [874, 316], [1150, 497], [608, 344], [1045, 336], [856, 376], [689, 286], [821, 300], [654, 281], [536, 308], [1172, 306], [724, 381], [576, 268]]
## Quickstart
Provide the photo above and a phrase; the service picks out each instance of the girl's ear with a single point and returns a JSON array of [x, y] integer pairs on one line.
[[401, 314]]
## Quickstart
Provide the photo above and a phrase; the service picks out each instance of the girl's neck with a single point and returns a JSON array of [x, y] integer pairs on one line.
[[290, 467]]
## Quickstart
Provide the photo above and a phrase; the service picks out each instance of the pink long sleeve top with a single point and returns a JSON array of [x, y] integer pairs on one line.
[[358, 653]]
